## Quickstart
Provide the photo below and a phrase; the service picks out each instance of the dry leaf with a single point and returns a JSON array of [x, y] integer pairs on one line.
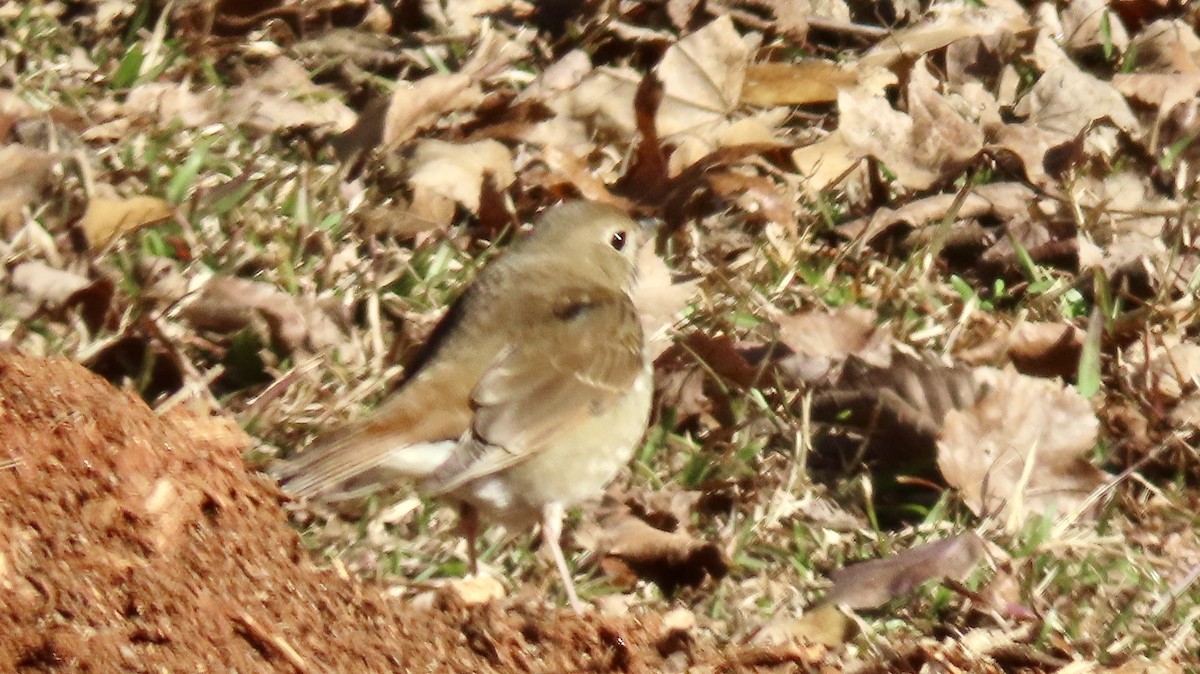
[[1173, 370], [456, 171], [107, 219], [702, 78], [283, 97], [1000, 201], [45, 285], [1089, 25], [874, 583], [1045, 349], [818, 342], [227, 305], [801, 83], [48, 288], [1065, 100], [630, 547], [823, 163], [603, 100], [415, 106], [933, 141], [1021, 451], [950, 23], [167, 101]]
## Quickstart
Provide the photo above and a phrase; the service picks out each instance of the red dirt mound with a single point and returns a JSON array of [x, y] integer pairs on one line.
[[133, 542]]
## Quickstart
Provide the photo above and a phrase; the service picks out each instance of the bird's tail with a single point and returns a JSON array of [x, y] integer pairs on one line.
[[358, 461]]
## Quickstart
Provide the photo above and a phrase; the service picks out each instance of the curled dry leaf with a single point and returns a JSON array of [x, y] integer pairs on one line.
[[1021, 450], [631, 548], [46, 286], [283, 97], [874, 583], [809, 81], [931, 141], [106, 219], [1089, 25], [825, 162], [1045, 349], [1066, 100], [415, 106], [684, 377], [1000, 201], [227, 304], [818, 342], [168, 101], [947, 23], [456, 170]]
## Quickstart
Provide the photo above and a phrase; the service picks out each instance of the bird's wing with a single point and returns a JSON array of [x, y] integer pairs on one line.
[[582, 354], [404, 438]]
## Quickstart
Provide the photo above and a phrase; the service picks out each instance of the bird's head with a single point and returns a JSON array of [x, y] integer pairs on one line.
[[592, 234]]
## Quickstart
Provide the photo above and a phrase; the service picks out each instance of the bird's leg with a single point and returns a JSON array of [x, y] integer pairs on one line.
[[468, 524], [552, 522]]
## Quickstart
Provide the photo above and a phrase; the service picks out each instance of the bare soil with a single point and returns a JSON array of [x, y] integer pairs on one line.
[[134, 542]]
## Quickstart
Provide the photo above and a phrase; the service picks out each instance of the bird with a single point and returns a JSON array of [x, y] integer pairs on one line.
[[530, 395]]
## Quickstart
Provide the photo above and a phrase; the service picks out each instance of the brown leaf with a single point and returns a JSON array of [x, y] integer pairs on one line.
[[45, 285], [418, 105], [646, 178], [627, 544], [874, 583], [283, 97], [456, 171], [1022, 449], [1173, 371], [228, 304], [1045, 349], [168, 101], [818, 342], [953, 23], [58, 290], [1065, 100], [106, 219], [702, 78], [800, 83], [932, 141], [1089, 25], [1001, 201]]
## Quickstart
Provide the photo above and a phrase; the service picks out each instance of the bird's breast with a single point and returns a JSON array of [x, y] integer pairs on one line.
[[575, 467]]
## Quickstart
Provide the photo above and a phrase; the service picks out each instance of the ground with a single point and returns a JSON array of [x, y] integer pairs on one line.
[[140, 543]]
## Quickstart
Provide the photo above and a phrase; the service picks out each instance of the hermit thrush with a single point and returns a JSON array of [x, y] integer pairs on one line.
[[530, 395]]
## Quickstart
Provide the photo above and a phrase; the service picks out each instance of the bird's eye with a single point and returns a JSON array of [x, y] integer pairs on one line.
[[617, 241]]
